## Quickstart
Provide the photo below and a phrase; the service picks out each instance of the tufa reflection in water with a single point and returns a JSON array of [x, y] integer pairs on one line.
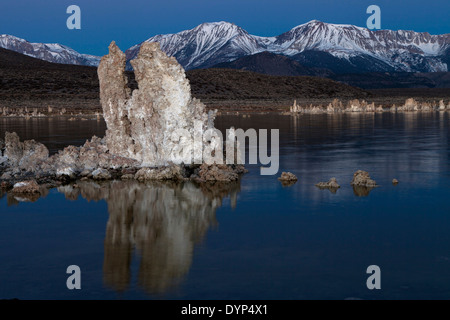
[[362, 191], [161, 221]]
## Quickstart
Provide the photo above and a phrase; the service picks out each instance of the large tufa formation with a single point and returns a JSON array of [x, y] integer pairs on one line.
[[144, 125], [155, 132]]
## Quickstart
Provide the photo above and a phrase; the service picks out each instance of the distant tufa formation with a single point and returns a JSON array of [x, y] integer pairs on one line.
[[142, 140], [336, 106]]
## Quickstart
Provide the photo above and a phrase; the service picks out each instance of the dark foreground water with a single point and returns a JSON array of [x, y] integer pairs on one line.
[[249, 240]]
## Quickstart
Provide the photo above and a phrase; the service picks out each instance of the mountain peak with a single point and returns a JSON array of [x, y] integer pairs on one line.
[[318, 23], [220, 25]]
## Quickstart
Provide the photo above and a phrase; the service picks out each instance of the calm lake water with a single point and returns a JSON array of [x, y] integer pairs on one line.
[[254, 239]]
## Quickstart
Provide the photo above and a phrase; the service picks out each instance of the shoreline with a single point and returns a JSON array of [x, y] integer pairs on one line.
[[318, 106]]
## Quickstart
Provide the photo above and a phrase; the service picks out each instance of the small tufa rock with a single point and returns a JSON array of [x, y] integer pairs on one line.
[[13, 148], [26, 187], [85, 173], [34, 154], [27, 155], [394, 181], [287, 176], [66, 171], [331, 184], [362, 178], [287, 179], [171, 172], [101, 174], [127, 176], [6, 175], [218, 172]]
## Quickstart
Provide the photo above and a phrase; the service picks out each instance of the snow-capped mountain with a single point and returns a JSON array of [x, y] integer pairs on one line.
[[403, 50], [337, 48], [52, 52], [206, 44], [384, 50]]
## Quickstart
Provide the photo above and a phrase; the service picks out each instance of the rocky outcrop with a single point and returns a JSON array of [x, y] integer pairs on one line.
[[362, 178], [172, 172], [101, 174], [362, 183], [331, 185], [27, 155], [219, 172], [287, 176], [157, 131], [26, 187], [287, 179], [92, 159]]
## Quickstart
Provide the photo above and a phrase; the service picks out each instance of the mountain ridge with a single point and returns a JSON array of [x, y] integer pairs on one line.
[[212, 43], [353, 48], [51, 52]]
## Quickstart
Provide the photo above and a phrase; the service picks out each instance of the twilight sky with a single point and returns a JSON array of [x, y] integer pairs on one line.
[[131, 22]]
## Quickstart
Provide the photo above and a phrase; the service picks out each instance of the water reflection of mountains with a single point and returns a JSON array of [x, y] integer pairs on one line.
[[162, 222]]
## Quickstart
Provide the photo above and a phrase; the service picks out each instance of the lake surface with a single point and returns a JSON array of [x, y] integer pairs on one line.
[[255, 239]]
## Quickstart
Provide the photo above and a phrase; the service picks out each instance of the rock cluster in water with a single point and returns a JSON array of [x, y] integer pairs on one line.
[[362, 178], [287, 179], [362, 183], [142, 140], [331, 185]]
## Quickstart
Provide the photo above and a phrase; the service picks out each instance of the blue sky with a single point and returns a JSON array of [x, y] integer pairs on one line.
[[130, 22]]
